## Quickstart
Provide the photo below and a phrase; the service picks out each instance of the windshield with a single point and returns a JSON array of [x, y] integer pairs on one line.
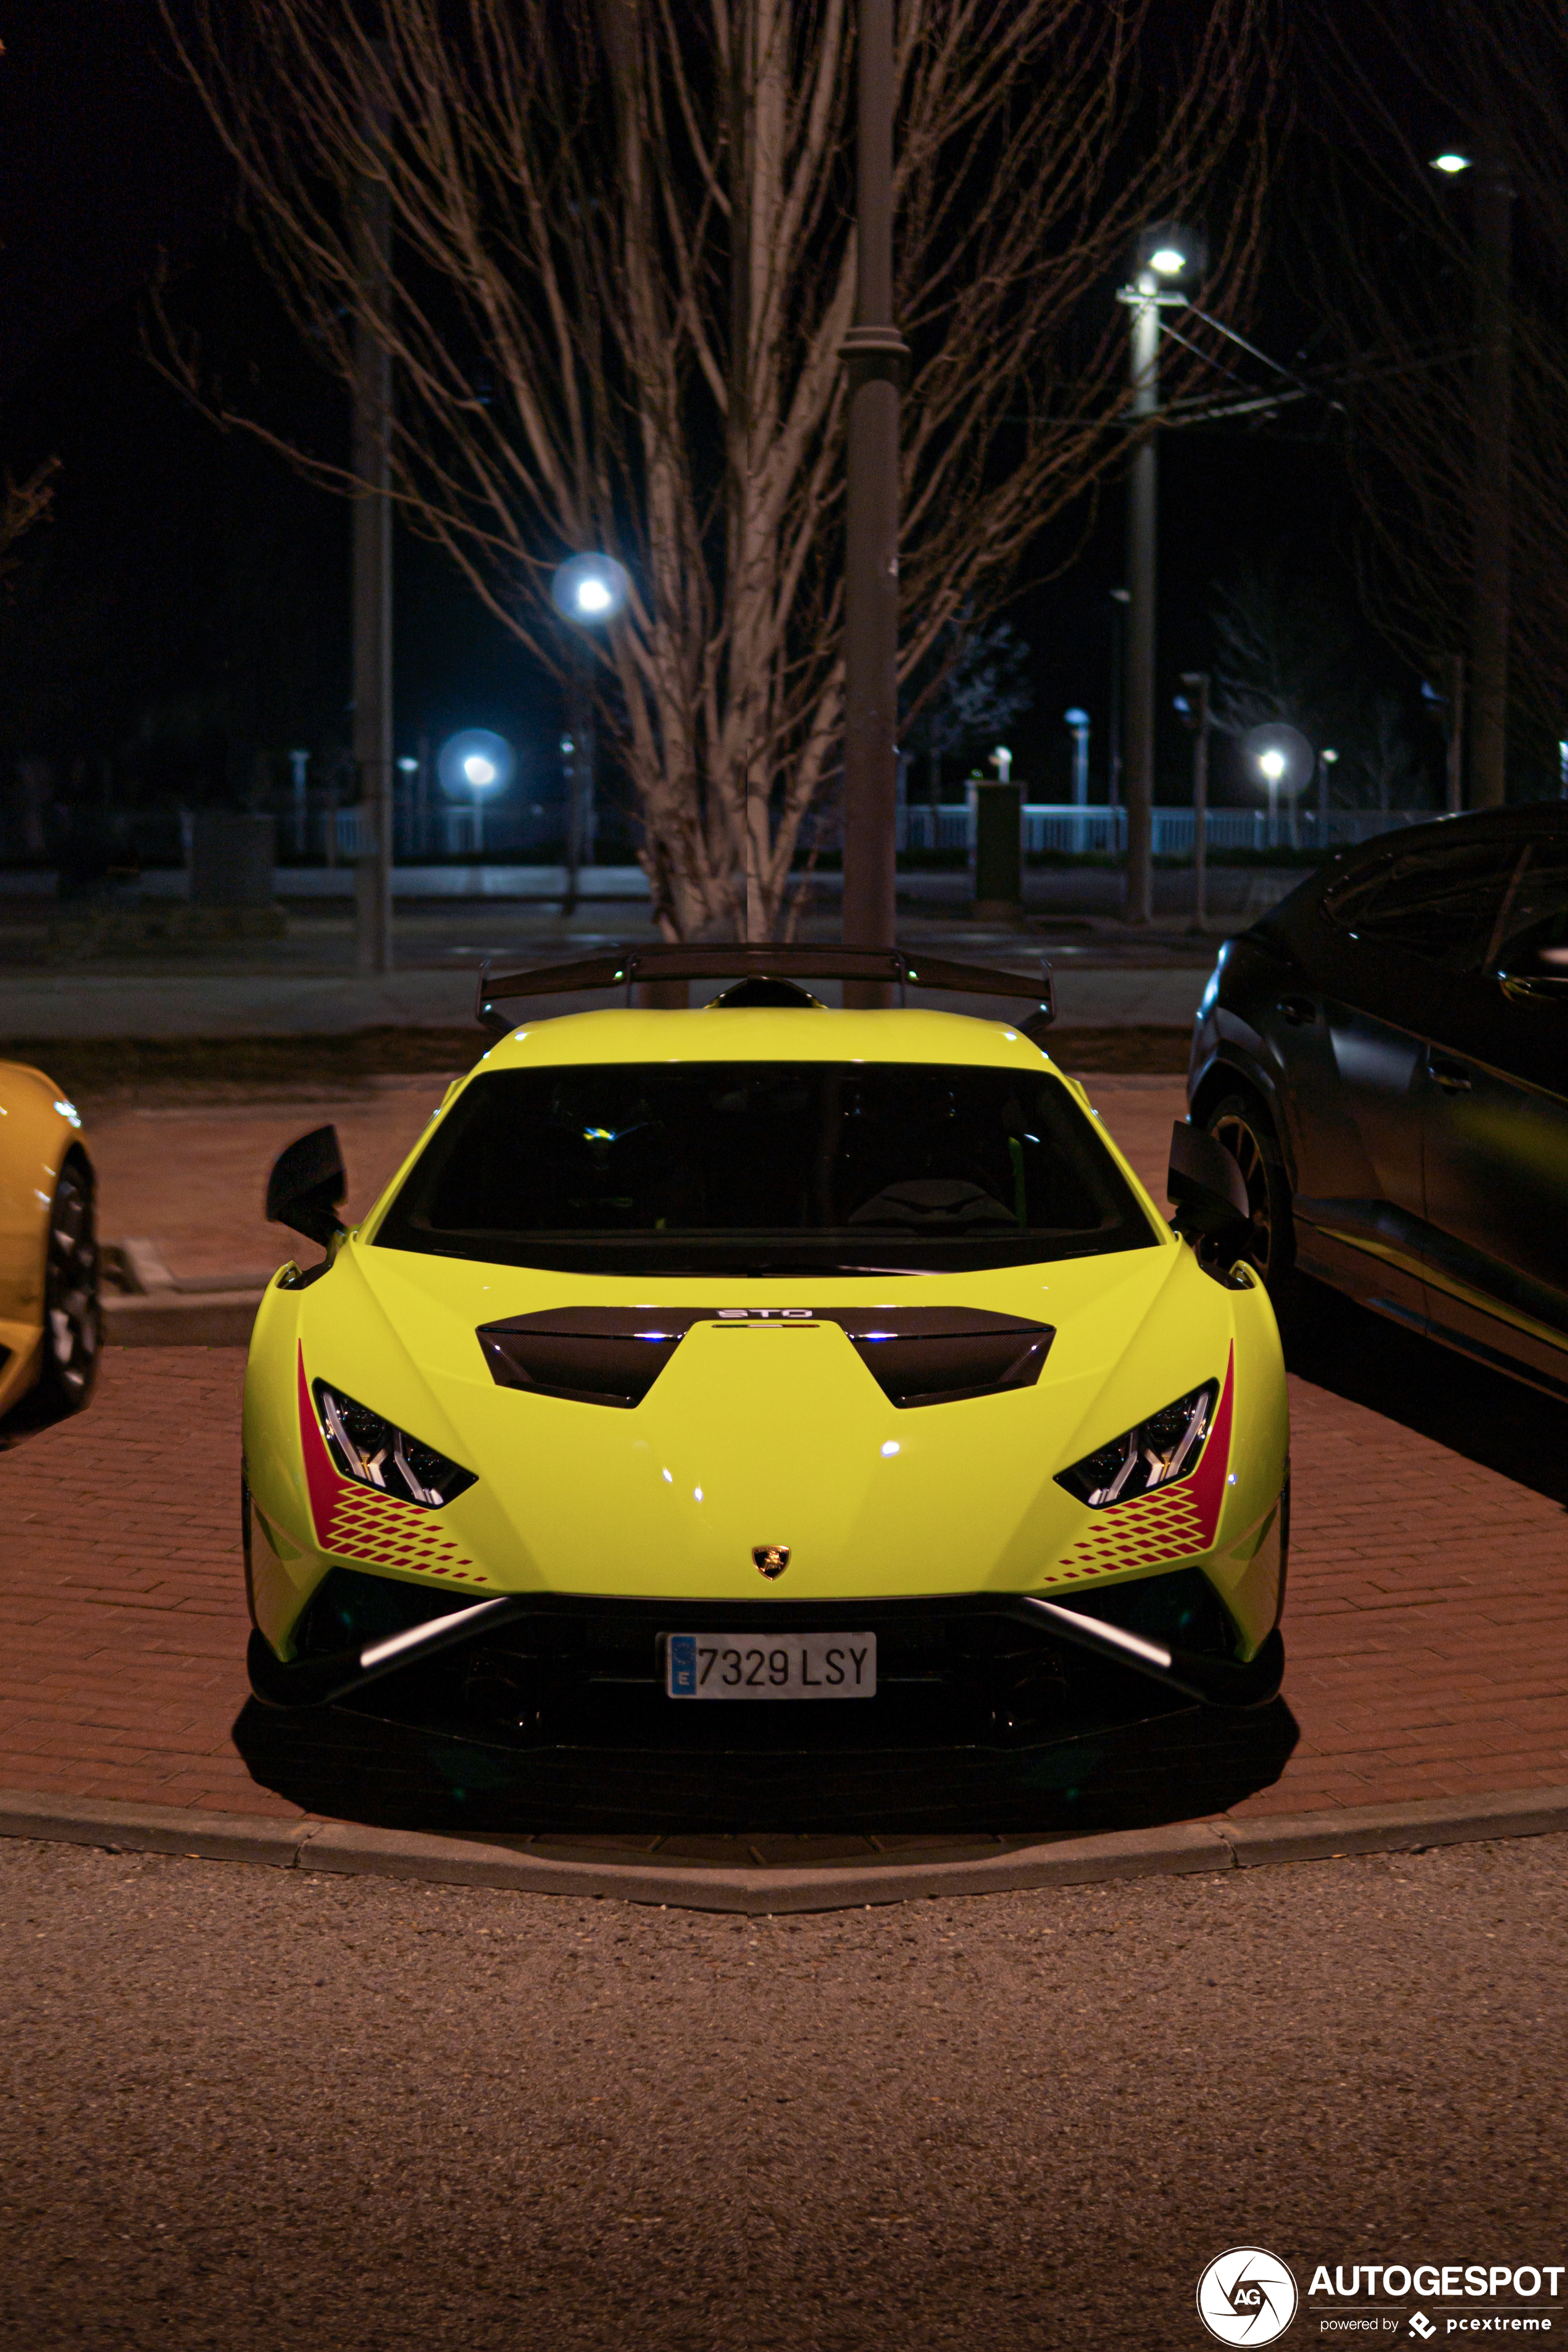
[[765, 1168]]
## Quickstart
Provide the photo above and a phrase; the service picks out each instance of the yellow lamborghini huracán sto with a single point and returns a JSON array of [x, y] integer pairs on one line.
[[764, 1373]]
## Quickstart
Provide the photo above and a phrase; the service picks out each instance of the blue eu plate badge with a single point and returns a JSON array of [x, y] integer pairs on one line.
[[683, 1666]]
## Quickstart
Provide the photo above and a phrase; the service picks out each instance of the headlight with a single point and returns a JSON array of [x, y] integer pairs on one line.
[[377, 1454], [1153, 1454]]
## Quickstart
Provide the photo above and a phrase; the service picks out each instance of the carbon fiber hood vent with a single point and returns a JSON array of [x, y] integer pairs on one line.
[[915, 1355]]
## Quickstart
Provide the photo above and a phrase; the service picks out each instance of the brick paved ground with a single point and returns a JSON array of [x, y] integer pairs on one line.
[[1428, 1597], [191, 1176]]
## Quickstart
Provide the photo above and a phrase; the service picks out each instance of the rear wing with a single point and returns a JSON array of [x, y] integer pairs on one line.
[[659, 974]]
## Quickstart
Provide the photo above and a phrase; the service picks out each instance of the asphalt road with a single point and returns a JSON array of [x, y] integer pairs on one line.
[[254, 2108]]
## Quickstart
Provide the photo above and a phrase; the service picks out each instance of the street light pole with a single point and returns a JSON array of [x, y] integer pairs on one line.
[[1456, 753], [1141, 514], [1328, 760], [1078, 719], [874, 350], [1493, 407], [581, 812], [1196, 682], [589, 591]]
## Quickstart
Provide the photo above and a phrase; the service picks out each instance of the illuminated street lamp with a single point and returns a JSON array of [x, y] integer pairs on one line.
[[1481, 745], [474, 763], [1327, 762], [1077, 720], [589, 591], [1286, 762], [408, 769], [1169, 264]]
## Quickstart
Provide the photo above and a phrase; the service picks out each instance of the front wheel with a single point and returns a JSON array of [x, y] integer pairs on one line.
[[1249, 1136], [73, 1320]]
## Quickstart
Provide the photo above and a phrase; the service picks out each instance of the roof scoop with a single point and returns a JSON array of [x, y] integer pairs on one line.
[[763, 988]]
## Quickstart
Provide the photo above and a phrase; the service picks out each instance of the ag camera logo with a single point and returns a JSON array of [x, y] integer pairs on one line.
[[1247, 2296]]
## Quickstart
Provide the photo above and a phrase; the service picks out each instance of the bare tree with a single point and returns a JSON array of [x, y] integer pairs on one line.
[[1394, 774], [1282, 650], [23, 503], [624, 271], [979, 680]]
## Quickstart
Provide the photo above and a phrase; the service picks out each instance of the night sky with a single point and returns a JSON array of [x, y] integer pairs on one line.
[[183, 566]]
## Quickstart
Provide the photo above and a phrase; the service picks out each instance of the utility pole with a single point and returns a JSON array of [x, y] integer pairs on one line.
[[1141, 515], [372, 596], [874, 350], [1493, 417], [582, 811]]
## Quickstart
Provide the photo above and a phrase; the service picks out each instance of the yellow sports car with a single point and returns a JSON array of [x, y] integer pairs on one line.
[[50, 1328], [765, 1373]]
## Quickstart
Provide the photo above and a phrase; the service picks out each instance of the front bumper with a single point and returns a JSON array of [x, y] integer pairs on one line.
[[531, 1670]]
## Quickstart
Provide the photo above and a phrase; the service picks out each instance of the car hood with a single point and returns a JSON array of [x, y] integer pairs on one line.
[[772, 1431]]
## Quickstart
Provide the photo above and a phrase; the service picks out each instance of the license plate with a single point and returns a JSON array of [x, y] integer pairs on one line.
[[776, 1666]]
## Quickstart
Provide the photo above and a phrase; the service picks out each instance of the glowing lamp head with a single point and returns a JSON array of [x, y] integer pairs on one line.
[[1167, 250], [474, 761], [590, 588], [1451, 162], [1281, 756]]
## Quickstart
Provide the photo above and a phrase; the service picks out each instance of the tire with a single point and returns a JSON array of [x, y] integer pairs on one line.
[[73, 1320], [1244, 1128]]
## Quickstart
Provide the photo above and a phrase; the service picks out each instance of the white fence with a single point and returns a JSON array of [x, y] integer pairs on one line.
[[1077, 831]]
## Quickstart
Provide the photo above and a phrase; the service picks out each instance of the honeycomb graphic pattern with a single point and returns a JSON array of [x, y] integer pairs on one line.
[[1146, 1533], [386, 1532]]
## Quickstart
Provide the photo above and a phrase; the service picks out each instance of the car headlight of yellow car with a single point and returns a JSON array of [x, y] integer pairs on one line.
[[1153, 1453], [373, 1450]]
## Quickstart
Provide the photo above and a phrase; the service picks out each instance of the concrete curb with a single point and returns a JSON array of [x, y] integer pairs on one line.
[[202, 1318], [354, 1848]]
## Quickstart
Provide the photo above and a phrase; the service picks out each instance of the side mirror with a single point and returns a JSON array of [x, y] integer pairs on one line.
[[307, 1186], [1207, 1190]]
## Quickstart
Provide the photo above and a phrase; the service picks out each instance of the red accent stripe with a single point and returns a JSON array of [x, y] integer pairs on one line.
[[326, 1488], [1206, 1484]]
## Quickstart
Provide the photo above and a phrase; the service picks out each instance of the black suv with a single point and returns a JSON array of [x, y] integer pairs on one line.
[[1386, 1056]]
